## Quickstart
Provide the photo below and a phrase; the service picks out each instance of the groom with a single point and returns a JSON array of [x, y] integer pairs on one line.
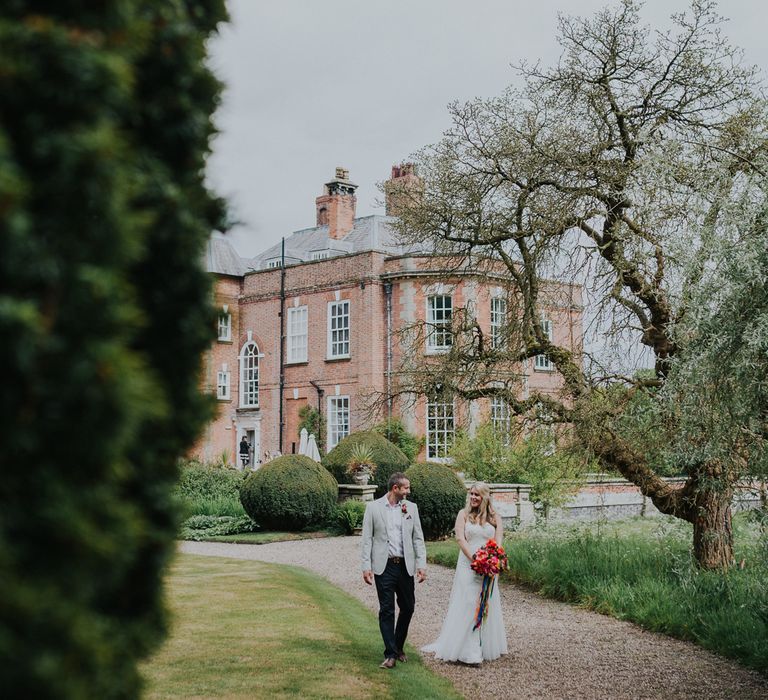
[[393, 545]]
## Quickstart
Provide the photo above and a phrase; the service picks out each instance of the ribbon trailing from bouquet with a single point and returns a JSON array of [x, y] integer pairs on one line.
[[486, 589]]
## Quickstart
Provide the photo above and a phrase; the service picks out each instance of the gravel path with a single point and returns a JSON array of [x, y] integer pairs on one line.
[[555, 650]]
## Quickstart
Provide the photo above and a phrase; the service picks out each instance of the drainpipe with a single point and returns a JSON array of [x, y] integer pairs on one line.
[[388, 295], [282, 344], [320, 392]]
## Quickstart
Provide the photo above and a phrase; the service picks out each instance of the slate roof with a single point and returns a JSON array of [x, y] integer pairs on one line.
[[222, 258], [369, 233]]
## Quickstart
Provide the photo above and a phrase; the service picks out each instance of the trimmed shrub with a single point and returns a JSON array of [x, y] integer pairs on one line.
[[205, 489], [439, 494], [289, 493], [349, 515], [387, 457]]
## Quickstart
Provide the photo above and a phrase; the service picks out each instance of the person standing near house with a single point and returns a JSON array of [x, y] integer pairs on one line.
[[245, 451], [392, 548]]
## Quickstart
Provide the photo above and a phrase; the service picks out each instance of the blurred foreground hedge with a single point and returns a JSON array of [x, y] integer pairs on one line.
[[104, 314]]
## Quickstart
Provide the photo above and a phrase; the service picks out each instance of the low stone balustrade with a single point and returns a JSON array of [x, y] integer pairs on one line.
[[356, 492]]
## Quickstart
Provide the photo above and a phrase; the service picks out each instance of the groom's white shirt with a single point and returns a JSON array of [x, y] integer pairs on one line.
[[394, 528], [378, 536]]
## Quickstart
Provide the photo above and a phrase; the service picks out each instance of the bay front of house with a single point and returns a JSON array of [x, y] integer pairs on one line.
[[339, 295]]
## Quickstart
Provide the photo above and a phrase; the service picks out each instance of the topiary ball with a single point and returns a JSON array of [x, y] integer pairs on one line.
[[387, 457], [289, 493], [439, 494]]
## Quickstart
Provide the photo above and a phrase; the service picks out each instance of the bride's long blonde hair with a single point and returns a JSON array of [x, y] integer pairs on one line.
[[485, 512]]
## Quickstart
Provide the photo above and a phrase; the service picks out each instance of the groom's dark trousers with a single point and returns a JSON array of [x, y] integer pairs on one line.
[[395, 582]]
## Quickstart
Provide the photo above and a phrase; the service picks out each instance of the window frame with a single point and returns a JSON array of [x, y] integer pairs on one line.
[[226, 327], [337, 430], [498, 319], [292, 337], [224, 381], [437, 448], [333, 343], [252, 392], [439, 328], [542, 363], [501, 419]]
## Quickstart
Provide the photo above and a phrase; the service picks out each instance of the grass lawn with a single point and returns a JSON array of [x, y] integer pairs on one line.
[[268, 537], [243, 629], [642, 570]]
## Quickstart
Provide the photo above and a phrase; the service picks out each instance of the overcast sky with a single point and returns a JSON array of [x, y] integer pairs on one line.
[[313, 84]]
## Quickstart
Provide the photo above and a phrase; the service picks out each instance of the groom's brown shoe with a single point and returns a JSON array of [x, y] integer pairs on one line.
[[402, 658], [387, 663]]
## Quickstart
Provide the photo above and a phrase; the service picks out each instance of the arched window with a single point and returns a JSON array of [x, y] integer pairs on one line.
[[249, 375]]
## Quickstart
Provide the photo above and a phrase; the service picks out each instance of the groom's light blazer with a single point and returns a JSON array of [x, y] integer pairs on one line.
[[375, 547]]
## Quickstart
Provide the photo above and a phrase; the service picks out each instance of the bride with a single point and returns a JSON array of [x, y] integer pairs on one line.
[[476, 523]]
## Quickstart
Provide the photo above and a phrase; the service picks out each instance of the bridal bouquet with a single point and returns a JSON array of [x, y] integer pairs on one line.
[[488, 561]]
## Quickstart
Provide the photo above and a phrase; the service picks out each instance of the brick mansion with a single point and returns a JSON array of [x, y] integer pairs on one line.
[[313, 321]]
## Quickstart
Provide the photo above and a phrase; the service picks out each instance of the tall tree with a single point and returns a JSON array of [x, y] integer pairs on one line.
[[609, 173], [104, 313]]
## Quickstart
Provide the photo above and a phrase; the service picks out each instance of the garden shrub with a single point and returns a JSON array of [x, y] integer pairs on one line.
[[201, 527], [387, 457], [105, 313], [349, 515], [552, 470], [207, 489], [311, 420], [289, 493], [394, 430], [439, 494]]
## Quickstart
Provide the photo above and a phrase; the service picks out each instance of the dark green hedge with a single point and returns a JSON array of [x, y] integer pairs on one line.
[[440, 495], [388, 458], [289, 493], [104, 314]]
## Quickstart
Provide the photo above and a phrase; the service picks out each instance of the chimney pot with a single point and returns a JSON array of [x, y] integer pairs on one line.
[[336, 206], [403, 189]]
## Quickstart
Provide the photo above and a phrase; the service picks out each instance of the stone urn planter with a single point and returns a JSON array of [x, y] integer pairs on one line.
[[360, 466], [361, 477]]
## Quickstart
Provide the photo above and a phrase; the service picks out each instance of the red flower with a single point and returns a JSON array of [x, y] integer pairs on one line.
[[490, 559], [403, 508]]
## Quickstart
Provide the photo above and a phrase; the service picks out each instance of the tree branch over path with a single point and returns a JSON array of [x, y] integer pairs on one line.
[[616, 174]]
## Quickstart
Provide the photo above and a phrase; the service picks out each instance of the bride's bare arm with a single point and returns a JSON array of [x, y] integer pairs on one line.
[[460, 536], [499, 529]]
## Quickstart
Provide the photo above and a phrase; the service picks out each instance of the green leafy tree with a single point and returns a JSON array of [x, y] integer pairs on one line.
[[612, 174], [552, 471], [104, 314], [394, 430], [311, 420], [719, 382]]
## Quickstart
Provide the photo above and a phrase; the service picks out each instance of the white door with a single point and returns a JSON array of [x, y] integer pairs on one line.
[[250, 428]]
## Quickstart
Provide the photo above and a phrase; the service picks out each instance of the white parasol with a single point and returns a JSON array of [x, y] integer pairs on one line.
[[312, 452]]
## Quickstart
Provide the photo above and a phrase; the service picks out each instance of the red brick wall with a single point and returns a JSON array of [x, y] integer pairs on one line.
[[255, 306]]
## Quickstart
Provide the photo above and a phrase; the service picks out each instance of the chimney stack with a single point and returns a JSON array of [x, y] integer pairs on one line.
[[336, 206], [403, 189]]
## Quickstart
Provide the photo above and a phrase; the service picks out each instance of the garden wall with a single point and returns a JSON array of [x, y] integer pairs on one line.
[[601, 497]]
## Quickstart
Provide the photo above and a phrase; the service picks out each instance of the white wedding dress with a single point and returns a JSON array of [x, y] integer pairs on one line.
[[457, 641]]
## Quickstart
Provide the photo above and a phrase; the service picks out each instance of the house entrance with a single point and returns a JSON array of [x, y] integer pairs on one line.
[[250, 428]]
